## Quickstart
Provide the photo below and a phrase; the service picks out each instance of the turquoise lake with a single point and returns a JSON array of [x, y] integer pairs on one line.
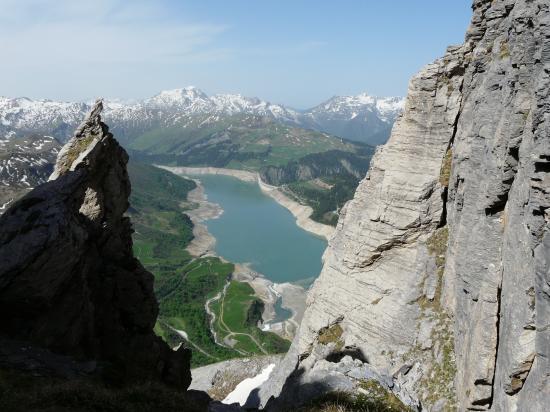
[[255, 229]]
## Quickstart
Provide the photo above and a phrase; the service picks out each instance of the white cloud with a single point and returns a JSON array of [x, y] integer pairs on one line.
[[45, 37]]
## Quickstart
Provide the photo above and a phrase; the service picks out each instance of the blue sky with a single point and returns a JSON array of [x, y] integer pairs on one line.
[[298, 52]]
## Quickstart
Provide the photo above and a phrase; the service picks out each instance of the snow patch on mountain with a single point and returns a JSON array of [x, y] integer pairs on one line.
[[24, 163]]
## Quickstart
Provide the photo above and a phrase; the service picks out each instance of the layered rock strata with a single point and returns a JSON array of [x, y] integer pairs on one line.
[[69, 281], [438, 275]]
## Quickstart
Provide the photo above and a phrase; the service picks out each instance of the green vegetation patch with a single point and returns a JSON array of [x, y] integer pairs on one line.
[[445, 173], [162, 231], [238, 299], [373, 398], [325, 196], [378, 395], [157, 189], [438, 383], [437, 246], [239, 141], [184, 284], [236, 321], [331, 334], [182, 296]]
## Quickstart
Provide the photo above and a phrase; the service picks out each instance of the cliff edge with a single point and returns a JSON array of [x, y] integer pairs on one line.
[[437, 279]]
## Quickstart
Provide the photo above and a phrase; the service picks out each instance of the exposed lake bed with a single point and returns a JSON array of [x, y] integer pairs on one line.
[[301, 212], [235, 220]]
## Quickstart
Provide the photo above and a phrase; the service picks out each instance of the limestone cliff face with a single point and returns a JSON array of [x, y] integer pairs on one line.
[[438, 275], [68, 279], [496, 280]]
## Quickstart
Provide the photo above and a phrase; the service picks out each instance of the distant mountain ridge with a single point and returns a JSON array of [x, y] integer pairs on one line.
[[362, 118], [186, 127]]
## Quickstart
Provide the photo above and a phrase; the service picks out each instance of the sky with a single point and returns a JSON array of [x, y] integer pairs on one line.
[[294, 52]]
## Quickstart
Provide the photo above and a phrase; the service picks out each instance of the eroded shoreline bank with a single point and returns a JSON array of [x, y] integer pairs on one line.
[[201, 210]]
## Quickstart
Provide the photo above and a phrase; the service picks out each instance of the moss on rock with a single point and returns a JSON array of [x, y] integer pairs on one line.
[[331, 334], [445, 173]]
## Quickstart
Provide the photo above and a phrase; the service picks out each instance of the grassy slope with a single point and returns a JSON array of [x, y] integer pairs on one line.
[[240, 142], [372, 398], [182, 284], [182, 296], [235, 318], [324, 200], [162, 231]]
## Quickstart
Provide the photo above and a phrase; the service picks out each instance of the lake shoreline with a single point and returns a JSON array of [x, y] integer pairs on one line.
[[203, 241], [300, 212], [203, 244]]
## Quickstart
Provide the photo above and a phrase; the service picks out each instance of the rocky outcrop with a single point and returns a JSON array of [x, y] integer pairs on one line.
[[69, 282], [438, 274], [220, 379]]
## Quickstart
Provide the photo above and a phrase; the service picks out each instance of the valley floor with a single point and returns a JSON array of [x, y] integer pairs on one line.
[[185, 283], [292, 296]]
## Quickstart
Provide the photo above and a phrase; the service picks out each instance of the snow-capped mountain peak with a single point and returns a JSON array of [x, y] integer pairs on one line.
[[364, 98], [390, 107], [362, 117], [178, 98], [361, 102], [353, 117], [27, 114]]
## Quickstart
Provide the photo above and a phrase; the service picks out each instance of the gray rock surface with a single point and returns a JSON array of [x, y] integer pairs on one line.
[[438, 272], [328, 376], [220, 379], [69, 281], [499, 195]]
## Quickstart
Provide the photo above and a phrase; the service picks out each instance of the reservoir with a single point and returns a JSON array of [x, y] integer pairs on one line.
[[255, 229]]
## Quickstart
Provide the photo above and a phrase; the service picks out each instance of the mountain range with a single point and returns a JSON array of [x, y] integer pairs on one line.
[[25, 162], [360, 118], [186, 127]]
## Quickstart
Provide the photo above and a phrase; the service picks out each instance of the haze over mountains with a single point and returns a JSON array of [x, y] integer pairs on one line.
[[362, 118]]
